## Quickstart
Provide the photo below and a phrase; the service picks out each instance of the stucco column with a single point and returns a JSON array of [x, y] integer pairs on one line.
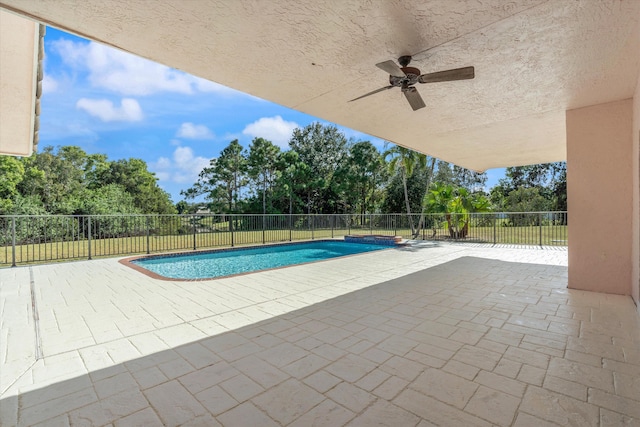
[[19, 38], [599, 196], [635, 272]]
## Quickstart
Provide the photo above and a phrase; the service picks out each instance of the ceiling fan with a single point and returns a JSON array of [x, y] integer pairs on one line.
[[406, 77]]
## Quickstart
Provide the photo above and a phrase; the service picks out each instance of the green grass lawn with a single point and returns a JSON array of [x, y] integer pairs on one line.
[[70, 250]]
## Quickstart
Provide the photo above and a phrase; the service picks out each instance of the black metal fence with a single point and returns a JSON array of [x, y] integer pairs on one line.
[[46, 238]]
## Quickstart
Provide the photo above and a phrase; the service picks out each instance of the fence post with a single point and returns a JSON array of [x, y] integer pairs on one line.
[[193, 221], [370, 223], [290, 228], [540, 226], [44, 227], [311, 218], [495, 220], [395, 225], [332, 217], [148, 239], [231, 228], [13, 241], [89, 235], [349, 224], [264, 217]]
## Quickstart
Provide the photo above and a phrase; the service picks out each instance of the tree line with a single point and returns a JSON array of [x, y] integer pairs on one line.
[[68, 181], [321, 172]]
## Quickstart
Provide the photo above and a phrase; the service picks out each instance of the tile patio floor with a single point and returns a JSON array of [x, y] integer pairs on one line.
[[443, 334]]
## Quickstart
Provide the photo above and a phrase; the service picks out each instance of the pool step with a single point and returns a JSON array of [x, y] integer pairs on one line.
[[376, 239]]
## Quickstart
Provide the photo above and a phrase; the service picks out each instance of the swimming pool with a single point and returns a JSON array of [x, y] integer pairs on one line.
[[227, 262]]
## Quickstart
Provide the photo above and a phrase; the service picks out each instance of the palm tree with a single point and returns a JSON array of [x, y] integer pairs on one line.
[[426, 192], [456, 204], [404, 160]]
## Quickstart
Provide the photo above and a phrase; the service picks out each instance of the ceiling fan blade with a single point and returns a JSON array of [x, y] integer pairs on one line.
[[464, 73], [391, 68], [414, 98], [371, 93]]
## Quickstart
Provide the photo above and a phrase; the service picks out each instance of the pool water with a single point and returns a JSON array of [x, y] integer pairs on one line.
[[235, 261]]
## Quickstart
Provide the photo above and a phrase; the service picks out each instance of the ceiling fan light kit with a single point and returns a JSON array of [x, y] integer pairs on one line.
[[406, 77]]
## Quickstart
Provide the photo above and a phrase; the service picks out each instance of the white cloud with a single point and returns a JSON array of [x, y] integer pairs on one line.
[[163, 163], [126, 73], [193, 131], [163, 176], [71, 53], [185, 160], [183, 167], [128, 111], [49, 84], [275, 129]]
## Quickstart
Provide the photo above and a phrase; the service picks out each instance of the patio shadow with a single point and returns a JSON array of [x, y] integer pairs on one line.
[[472, 341]]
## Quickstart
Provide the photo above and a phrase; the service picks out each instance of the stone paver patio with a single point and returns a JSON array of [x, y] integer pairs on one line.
[[444, 334]]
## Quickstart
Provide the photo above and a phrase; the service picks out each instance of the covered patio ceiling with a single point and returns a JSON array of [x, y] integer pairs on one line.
[[533, 59]]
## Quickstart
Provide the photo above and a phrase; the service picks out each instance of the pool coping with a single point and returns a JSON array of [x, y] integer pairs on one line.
[[128, 262]]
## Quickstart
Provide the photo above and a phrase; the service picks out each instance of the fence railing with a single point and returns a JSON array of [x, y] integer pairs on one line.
[[44, 238]]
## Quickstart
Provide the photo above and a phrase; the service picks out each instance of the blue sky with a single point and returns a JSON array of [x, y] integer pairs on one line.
[[111, 102]]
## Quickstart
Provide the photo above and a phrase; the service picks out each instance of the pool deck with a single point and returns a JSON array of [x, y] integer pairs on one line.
[[433, 334]]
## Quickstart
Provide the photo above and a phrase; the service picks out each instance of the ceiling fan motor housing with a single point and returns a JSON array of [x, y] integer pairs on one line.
[[410, 78]]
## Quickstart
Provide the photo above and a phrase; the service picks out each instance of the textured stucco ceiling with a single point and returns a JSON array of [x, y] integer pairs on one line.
[[534, 59]]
